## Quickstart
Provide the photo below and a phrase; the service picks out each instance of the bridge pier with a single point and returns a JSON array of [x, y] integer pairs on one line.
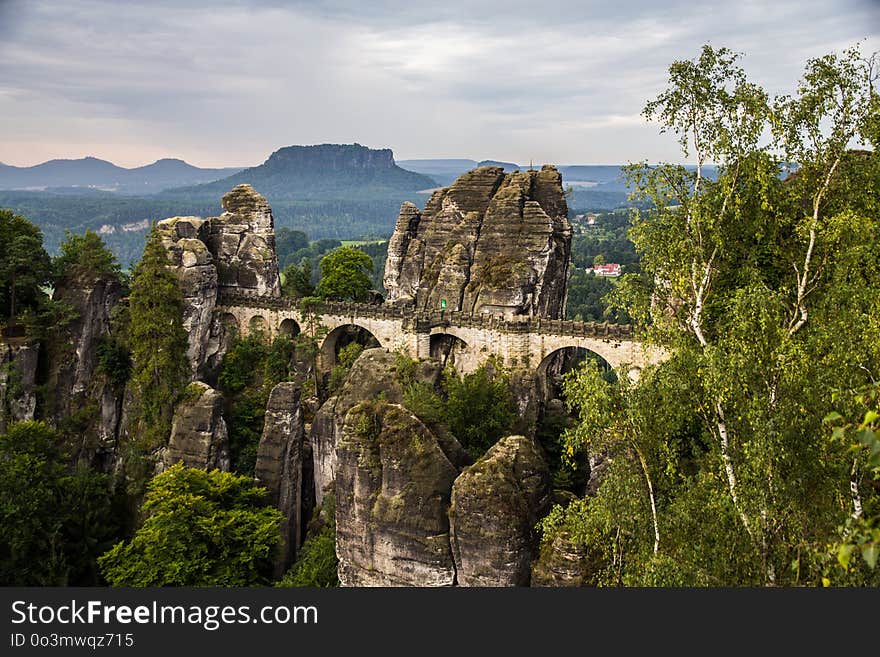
[[422, 345]]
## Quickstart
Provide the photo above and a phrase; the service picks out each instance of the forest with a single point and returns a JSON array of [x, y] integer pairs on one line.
[[748, 456]]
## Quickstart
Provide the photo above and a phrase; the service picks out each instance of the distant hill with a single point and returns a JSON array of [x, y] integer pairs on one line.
[[321, 172], [507, 166], [595, 186], [91, 173]]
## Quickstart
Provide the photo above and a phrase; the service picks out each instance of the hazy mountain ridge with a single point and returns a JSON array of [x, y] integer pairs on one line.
[[90, 173], [596, 177], [324, 171]]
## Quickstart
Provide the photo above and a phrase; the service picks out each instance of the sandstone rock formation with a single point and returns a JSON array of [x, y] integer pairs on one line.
[[197, 273], [198, 431], [392, 492], [279, 465], [373, 373], [242, 241], [491, 242], [73, 382], [18, 372], [495, 505], [562, 563], [234, 252]]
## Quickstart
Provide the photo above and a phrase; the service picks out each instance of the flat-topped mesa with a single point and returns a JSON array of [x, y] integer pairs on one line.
[[490, 243]]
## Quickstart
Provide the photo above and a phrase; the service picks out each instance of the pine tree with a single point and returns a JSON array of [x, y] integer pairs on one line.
[[158, 342]]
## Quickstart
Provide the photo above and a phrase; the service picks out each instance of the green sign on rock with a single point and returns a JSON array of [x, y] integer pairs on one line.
[[442, 304]]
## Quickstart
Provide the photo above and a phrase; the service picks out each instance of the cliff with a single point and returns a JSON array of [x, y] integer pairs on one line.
[[234, 251], [491, 242]]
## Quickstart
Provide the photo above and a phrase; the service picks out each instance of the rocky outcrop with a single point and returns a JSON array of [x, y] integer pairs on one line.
[[374, 373], [197, 275], [75, 386], [562, 562], [242, 241], [279, 465], [491, 242], [198, 431], [392, 492], [18, 373], [235, 252], [495, 505]]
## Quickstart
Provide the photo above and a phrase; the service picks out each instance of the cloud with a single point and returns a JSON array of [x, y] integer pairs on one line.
[[226, 83]]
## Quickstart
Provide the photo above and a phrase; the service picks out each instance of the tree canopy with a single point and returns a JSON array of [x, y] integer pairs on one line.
[[759, 285], [345, 275], [158, 342], [24, 265], [85, 258], [56, 521], [200, 529]]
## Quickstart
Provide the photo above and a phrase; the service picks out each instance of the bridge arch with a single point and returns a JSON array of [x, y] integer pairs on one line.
[[289, 328], [560, 361], [229, 324], [339, 337], [258, 324], [449, 349]]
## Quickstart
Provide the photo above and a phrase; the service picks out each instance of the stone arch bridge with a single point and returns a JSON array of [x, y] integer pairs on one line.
[[517, 341]]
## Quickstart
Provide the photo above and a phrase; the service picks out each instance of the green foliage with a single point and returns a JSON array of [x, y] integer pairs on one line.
[[114, 360], [606, 238], [158, 341], [200, 529], [287, 243], [24, 265], [349, 353], [316, 563], [55, 523], [242, 363], [569, 472], [344, 361], [31, 551], [298, 280], [587, 295], [345, 275], [46, 317], [860, 535], [479, 408], [249, 370], [84, 259], [762, 294], [378, 251], [425, 403]]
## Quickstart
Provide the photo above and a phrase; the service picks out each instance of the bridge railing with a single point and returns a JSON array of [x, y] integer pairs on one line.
[[422, 321]]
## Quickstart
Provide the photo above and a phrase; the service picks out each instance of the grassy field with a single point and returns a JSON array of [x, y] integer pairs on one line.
[[360, 242]]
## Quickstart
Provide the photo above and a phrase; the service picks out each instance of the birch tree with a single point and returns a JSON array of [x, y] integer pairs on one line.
[[762, 283]]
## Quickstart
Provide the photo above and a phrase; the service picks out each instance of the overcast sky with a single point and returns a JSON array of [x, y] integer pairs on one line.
[[225, 83]]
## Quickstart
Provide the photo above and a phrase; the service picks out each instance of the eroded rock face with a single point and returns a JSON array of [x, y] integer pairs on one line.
[[495, 505], [562, 563], [373, 373], [242, 241], [74, 381], [492, 242], [279, 465], [18, 371], [235, 252], [197, 272], [198, 431], [392, 492]]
